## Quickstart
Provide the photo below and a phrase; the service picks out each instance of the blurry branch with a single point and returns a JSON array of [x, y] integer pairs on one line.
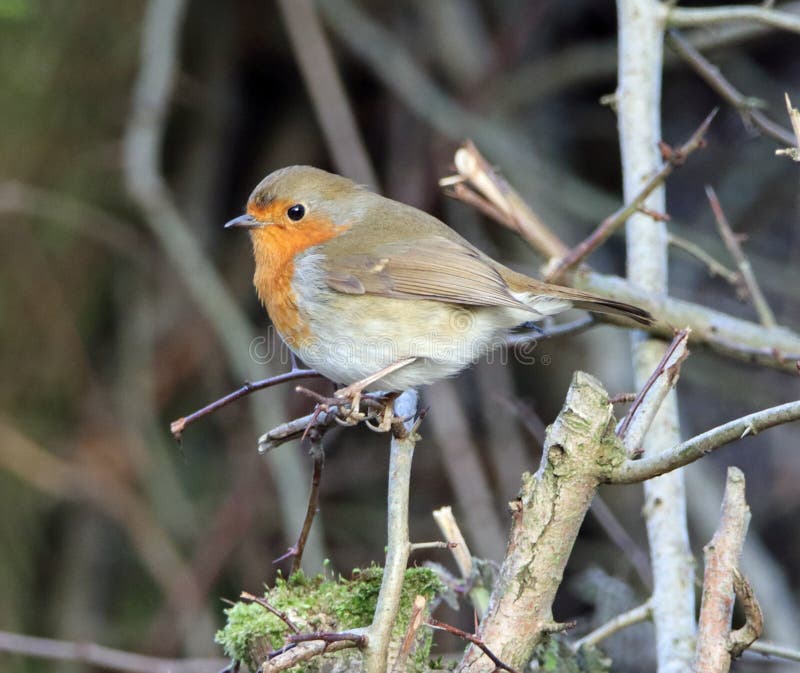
[[57, 477], [687, 452], [622, 539], [597, 60], [398, 548], [461, 460], [335, 115], [722, 555], [103, 657], [149, 189], [715, 268], [778, 347], [393, 64], [97, 224], [638, 614], [683, 17], [732, 242], [774, 650], [794, 116], [178, 426], [746, 106], [672, 159]]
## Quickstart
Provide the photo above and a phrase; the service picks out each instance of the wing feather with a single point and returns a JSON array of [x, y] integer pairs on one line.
[[435, 268]]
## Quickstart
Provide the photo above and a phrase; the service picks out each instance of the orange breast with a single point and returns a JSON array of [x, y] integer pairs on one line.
[[275, 247]]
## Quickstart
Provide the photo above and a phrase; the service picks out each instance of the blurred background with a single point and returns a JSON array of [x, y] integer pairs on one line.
[[124, 305]]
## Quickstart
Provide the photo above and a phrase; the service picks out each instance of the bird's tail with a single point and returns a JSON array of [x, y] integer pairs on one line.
[[602, 305]]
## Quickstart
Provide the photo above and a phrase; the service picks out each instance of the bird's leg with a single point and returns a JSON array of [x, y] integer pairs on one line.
[[353, 392]]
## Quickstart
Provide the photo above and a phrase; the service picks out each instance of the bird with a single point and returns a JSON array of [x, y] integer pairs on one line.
[[377, 295]]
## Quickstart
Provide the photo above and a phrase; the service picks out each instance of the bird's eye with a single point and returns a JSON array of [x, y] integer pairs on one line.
[[296, 212]]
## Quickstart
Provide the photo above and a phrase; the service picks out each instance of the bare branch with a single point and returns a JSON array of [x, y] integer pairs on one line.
[[398, 547], [638, 614], [721, 562], [745, 105], [470, 638], [452, 533], [303, 651], [715, 268], [546, 518], [672, 159], [731, 241], [264, 603], [103, 657], [794, 116], [684, 17], [178, 426], [687, 452], [648, 401], [774, 650], [743, 637], [333, 110]]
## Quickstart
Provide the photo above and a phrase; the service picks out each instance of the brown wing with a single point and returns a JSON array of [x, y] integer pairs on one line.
[[434, 268]]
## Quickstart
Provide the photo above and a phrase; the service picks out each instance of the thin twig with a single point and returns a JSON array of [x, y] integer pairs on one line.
[[103, 657], [317, 453], [715, 268], [745, 105], [264, 603], [669, 369], [638, 614], [470, 638], [177, 427], [731, 240], [633, 471], [672, 159]]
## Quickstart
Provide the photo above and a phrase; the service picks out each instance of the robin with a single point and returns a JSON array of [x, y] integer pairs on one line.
[[380, 295]]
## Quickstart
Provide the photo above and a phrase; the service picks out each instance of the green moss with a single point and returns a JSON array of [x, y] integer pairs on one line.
[[555, 655], [320, 604]]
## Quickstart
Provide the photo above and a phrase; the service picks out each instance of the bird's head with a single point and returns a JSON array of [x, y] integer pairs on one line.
[[298, 198]]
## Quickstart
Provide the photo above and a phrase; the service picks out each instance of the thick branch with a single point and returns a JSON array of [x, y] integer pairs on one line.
[[546, 518], [721, 562]]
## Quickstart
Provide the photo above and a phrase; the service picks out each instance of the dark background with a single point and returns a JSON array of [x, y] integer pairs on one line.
[[109, 532]]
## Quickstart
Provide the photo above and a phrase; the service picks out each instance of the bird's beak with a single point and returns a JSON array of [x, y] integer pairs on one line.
[[246, 221]]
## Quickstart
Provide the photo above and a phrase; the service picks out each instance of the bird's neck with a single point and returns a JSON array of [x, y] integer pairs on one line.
[[275, 249]]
